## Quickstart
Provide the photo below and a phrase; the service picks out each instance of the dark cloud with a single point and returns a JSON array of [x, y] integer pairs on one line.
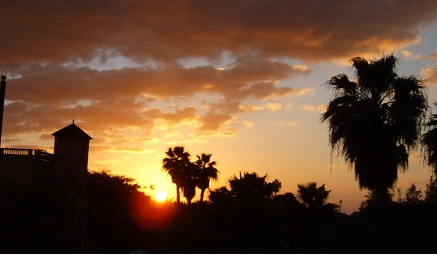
[[60, 57], [168, 30], [44, 94]]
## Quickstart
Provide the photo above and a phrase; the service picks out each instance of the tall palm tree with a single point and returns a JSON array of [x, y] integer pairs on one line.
[[189, 187], [375, 120], [206, 171], [176, 164], [430, 142], [190, 182]]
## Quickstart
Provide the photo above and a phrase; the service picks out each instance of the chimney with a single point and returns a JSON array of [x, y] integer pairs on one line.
[[2, 105]]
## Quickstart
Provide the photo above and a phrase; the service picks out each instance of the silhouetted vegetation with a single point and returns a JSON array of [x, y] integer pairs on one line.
[[430, 142], [178, 166], [187, 175], [112, 201], [374, 121], [312, 196], [206, 172], [248, 215]]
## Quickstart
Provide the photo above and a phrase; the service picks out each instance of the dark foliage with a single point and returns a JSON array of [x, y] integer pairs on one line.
[[374, 121], [429, 141], [123, 220], [111, 221], [187, 175]]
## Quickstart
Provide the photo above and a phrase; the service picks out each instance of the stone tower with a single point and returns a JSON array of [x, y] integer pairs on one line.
[[71, 149], [71, 160]]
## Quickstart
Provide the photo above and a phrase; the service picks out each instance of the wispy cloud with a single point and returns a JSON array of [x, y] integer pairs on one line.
[[430, 78], [315, 108], [410, 55], [287, 123], [268, 106]]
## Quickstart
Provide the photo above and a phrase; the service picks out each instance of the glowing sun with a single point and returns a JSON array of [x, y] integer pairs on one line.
[[161, 196]]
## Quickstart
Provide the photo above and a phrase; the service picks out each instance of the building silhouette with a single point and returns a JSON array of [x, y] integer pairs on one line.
[[59, 177]]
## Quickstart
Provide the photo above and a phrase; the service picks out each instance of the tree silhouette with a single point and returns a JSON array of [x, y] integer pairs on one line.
[[413, 196], [190, 181], [110, 193], [247, 188], [274, 186], [112, 221], [206, 171], [429, 142], [251, 187], [221, 196], [313, 196], [375, 120], [177, 164], [431, 191]]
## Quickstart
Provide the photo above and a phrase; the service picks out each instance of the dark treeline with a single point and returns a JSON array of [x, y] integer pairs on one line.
[[245, 216]]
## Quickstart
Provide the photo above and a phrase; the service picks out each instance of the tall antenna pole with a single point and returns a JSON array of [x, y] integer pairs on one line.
[[2, 104]]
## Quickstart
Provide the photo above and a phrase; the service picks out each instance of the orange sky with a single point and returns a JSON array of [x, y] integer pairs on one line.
[[242, 80]]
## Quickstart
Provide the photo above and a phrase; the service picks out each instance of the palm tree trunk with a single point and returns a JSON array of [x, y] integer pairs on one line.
[[202, 193], [382, 196], [178, 195]]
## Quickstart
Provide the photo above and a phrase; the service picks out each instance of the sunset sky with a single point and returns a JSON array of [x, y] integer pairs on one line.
[[242, 80]]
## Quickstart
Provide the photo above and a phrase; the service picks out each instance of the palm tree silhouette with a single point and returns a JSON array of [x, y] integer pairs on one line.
[[177, 164], [189, 185], [274, 186], [251, 187], [313, 196], [206, 171], [375, 120], [430, 142]]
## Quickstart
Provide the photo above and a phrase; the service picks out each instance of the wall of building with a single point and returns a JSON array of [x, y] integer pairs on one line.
[[18, 166]]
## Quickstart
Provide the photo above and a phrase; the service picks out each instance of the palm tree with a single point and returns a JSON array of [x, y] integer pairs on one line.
[[189, 186], [430, 142], [375, 120], [206, 171], [313, 196], [251, 187], [274, 186], [176, 164]]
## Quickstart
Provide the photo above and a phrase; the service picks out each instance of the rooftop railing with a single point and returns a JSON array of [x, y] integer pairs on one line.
[[21, 152], [35, 154]]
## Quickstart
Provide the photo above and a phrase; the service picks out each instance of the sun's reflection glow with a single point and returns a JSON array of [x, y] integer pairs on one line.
[[161, 196]]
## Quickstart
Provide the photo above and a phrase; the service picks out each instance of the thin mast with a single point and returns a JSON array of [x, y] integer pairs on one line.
[[2, 104]]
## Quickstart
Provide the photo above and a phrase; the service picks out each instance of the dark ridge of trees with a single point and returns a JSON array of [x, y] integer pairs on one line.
[[375, 120], [248, 215], [112, 221]]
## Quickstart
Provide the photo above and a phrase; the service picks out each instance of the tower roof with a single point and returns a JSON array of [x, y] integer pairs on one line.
[[72, 131]]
